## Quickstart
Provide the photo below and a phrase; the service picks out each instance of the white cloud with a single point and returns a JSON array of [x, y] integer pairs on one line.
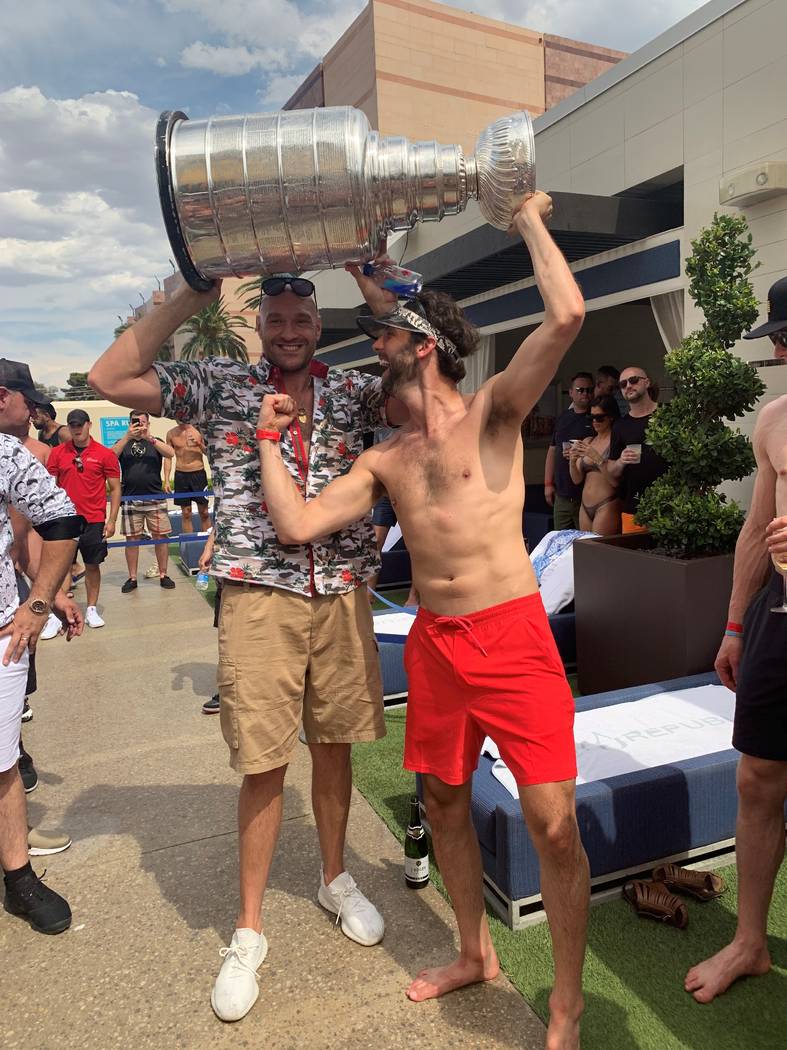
[[279, 89], [231, 61], [618, 24], [298, 30], [80, 222]]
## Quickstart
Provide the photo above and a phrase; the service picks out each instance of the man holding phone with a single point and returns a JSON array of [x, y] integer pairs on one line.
[[141, 455]]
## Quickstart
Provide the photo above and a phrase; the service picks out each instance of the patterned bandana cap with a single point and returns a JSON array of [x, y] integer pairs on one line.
[[443, 342], [409, 321]]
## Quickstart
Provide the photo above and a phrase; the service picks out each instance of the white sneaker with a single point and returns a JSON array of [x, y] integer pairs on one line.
[[52, 628], [152, 573], [236, 988], [92, 619], [360, 920]]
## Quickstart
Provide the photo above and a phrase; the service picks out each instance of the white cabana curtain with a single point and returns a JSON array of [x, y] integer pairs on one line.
[[668, 312], [479, 366]]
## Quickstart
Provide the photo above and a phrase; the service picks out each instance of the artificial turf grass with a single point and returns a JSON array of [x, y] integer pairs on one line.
[[634, 968]]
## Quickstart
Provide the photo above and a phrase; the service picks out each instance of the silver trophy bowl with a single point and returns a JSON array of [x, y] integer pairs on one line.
[[313, 189]]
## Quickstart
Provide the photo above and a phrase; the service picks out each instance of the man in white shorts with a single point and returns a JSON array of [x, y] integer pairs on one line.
[[26, 486]]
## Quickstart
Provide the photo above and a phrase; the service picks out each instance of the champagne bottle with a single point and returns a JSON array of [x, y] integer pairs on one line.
[[416, 850]]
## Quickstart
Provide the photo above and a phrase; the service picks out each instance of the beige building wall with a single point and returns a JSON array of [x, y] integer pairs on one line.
[[429, 71], [570, 64], [445, 74], [348, 69]]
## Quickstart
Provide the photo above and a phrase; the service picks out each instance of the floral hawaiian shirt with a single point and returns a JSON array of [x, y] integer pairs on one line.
[[223, 398]]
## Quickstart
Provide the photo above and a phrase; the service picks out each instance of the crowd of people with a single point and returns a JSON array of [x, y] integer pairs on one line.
[[599, 462], [293, 547]]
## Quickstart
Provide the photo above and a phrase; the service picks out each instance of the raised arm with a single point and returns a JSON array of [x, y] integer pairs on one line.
[[167, 451], [296, 520], [519, 386], [124, 373]]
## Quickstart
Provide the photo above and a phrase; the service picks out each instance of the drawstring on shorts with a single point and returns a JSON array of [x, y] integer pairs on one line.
[[460, 623]]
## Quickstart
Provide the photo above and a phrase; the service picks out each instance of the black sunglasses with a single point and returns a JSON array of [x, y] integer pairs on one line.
[[276, 285], [599, 415], [631, 380], [78, 462], [778, 338], [584, 389]]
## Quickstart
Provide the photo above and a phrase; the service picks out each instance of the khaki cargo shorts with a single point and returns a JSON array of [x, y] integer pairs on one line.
[[283, 659]]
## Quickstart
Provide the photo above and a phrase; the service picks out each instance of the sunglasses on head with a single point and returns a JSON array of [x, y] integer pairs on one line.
[[584, 389], [298, 285], [778, 338], [631, 380]]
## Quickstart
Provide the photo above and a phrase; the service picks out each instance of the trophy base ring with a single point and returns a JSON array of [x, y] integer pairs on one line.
[[192, 276]]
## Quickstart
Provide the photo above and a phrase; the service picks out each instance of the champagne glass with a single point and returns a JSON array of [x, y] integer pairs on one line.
[[780, 561]]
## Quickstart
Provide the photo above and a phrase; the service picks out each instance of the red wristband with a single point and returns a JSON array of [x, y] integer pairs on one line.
[[268, 435], [736, 627]]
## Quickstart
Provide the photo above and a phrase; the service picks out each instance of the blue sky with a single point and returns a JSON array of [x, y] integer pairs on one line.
[[81, 85]]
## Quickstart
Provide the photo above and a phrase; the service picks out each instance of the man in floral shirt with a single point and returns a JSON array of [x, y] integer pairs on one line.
[[296, 641]]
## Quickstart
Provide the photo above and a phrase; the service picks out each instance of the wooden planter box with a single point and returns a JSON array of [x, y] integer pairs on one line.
[[642, 617]]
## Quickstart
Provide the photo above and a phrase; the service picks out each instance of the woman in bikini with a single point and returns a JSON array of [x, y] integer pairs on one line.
[[600, 510]]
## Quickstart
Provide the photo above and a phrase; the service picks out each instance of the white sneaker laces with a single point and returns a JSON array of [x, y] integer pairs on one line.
[[239, 955], [348, 892]]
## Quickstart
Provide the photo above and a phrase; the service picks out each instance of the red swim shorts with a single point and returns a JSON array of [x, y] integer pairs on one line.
[[493, 673]]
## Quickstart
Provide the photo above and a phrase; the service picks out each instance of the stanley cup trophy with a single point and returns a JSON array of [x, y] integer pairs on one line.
[[313, 189]]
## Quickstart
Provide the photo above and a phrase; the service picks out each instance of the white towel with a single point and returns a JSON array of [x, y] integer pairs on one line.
[[658, 730]]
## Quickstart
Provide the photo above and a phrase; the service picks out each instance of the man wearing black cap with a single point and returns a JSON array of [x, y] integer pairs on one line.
[[49, 430], [752, 660], [84, 468]]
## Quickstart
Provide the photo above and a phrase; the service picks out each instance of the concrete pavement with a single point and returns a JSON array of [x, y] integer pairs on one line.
[[139, 778]]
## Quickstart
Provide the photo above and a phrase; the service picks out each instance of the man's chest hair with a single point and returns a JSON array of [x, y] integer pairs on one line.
[[430, 467]]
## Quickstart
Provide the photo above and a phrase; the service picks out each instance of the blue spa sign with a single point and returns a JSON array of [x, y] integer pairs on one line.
[[112, 429]]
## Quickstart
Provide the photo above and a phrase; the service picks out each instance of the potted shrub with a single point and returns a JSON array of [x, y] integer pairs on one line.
[[652, 607]]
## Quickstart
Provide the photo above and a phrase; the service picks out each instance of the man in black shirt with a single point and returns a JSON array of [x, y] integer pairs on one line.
[[141, 456], [574, 424], [632, 462], [49, 430]]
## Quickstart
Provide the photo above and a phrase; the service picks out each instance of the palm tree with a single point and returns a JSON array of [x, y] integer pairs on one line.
[[252, 290], [212, 333]]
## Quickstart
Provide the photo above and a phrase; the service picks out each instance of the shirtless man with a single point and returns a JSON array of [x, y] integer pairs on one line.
[[752, 660], [480, 657], [190, 473]]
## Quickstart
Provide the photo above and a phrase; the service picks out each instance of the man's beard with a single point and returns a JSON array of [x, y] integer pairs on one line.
[[403, 369]]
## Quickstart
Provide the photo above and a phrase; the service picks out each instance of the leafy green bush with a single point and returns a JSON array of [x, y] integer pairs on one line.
[[685, 513]]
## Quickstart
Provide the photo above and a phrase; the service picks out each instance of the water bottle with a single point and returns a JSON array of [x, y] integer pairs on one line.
[[406, 283], [203, 579]]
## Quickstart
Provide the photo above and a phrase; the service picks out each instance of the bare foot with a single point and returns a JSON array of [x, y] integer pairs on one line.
[[563, 1029], [430, 984], [714, 976]]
